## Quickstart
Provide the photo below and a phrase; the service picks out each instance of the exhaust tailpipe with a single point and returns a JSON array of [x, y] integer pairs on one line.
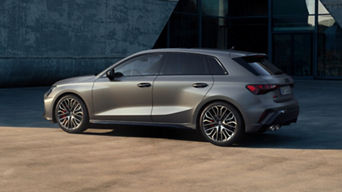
[[274, 127]]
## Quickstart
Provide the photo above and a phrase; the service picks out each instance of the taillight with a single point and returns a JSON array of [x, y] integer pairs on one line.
[[261, 89]]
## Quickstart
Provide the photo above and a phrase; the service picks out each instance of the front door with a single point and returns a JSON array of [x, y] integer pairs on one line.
[[127, 98]]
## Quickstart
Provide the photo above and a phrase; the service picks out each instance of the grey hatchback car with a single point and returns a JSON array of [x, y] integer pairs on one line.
[[222, 93]]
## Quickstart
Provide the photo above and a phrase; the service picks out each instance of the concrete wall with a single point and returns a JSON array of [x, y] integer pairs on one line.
[[42, 41]]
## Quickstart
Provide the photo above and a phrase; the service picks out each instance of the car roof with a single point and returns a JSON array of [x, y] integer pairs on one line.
[[213, 52]]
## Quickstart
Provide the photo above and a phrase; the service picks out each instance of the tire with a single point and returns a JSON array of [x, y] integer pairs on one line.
[[221, 124], [71, 114]]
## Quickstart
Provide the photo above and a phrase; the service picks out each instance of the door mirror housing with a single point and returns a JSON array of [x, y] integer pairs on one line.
[[111, 74]]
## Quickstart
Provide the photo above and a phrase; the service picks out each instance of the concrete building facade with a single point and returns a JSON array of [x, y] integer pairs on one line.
[[42, 41]]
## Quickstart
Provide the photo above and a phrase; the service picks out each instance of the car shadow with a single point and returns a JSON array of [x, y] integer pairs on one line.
[[146, 131], [286, 138]]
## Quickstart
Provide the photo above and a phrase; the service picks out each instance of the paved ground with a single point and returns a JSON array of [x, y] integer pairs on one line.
[[34, 156]]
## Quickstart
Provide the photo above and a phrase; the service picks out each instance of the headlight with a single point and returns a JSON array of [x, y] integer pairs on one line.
[[50, 90]]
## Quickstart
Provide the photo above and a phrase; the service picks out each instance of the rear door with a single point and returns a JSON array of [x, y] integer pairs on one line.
[[181, 85]]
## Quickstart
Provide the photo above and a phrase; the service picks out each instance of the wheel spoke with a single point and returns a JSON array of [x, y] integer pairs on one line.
[[210, 124], [223, 111]]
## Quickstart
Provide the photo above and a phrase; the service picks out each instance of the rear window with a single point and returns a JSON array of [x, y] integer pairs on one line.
[[258, 65]]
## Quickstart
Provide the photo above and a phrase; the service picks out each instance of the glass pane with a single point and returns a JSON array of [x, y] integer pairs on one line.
[[215, 67], [248, 34], [248, 8], [292, 53], [217, 8], [214, 32], [189, 6], [326, 21], [291, 15], [183, 31], [282, 52], [185, 64], [329, 47], [258, 65], [321, 8], [294, 23], [142, 65], [293, 8], [302, 54]]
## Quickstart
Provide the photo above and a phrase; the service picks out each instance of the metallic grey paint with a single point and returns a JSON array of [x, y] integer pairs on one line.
[[172, 100]]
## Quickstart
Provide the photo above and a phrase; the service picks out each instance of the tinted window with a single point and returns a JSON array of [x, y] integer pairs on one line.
[[141, 65], [258, 65], [185, 64], [215, 67]]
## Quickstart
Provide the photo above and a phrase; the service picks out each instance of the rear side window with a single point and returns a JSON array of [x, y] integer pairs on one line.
[[184, 64], [258, 65], [215, 67]]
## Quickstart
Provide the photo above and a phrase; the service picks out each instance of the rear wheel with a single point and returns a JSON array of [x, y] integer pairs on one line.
[[221, 124], [71, 114]]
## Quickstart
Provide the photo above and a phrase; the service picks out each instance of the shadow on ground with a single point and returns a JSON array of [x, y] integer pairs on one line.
[[318, 126]]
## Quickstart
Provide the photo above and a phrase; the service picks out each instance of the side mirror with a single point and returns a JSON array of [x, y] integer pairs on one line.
[[111, 74]]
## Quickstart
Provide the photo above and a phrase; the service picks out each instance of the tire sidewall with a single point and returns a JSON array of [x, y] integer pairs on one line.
[[239, 129], [85, 121]]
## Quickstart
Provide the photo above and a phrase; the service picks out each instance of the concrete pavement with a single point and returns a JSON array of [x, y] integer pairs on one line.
[[34, 156]]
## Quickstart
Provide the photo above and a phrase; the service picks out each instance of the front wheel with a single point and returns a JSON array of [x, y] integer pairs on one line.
[[221, 124], [71, 114]]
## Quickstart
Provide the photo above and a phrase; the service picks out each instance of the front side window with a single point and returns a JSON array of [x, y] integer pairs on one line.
[[144, 65], [184, 64]]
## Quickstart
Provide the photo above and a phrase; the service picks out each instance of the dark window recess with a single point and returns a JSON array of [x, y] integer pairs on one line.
[[187, 6], [215, 67], [258, 65], [184, 64]]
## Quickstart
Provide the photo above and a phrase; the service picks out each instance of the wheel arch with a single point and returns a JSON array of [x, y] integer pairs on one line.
[[62, 95], [209, 101]]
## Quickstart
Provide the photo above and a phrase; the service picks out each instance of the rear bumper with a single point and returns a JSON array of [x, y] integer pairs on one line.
[[284, 116], [276, 116]]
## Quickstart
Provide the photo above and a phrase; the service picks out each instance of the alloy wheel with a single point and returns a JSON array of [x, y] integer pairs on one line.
[[219, 123], [70, 113]]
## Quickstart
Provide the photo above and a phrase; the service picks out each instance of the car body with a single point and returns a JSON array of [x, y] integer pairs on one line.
[[173, 86]]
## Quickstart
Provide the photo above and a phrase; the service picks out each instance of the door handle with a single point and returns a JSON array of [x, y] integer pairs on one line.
[[144, 85], [199, 85]]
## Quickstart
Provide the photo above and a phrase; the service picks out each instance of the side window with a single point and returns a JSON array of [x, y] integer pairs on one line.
[[143, 65], [215, 67], [184, 64]]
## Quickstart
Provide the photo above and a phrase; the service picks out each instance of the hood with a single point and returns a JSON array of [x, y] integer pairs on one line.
[[81, 79]]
